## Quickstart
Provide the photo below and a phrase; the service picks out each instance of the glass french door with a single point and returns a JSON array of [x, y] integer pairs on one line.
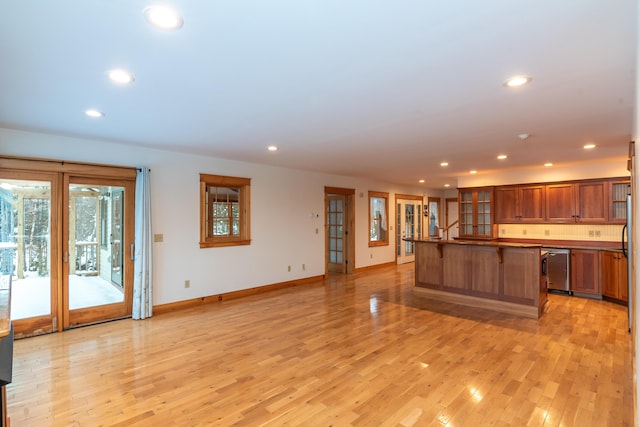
[[97, 250], [61, 239], [28, 249], [336, 232], [409, 226]]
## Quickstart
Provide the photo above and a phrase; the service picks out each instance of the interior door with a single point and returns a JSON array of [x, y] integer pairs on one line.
[[409, 226], [336, 233], [29, 248], [98, 275], [339, 229]]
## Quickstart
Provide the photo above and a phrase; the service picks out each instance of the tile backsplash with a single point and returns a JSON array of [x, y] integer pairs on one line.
[[603, 233]]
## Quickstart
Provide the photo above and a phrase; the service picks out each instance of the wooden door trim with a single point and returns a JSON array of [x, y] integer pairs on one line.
[[65, 166], [349, 193]]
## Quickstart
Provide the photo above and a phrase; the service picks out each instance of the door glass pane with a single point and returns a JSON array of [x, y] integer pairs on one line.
[[25, 223], [409, 228], [335, 231], [95, 266]]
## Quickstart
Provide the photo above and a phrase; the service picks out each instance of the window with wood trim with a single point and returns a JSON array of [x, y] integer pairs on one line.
[[378, 218], [224, 211]]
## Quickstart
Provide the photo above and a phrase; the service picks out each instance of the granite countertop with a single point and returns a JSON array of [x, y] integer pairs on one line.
[[522, 244], [492, 243]]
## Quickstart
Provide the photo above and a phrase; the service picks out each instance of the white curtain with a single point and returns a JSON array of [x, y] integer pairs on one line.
[[143, 265]]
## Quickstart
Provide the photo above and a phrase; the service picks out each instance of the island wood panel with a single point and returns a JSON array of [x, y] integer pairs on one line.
[[428, 266], [485, 271], [455, 262], [519, 267], [496, 276]]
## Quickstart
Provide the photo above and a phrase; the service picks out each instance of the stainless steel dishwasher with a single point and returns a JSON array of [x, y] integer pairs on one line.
[[557, 269]]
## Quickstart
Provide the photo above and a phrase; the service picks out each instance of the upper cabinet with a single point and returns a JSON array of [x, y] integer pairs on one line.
[[591, 201], [476, 212], [560, 203], [584, 202], [618, 190], [520, 203], [587, 202]]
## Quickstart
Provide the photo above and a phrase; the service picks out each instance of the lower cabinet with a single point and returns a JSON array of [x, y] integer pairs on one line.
[[613, 274], [585, 271]]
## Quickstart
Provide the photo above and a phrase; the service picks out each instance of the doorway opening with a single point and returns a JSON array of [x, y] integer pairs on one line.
[[408, 226], [62, 236]]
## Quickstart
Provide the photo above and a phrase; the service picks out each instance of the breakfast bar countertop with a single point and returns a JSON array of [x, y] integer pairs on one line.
[[492, 243]]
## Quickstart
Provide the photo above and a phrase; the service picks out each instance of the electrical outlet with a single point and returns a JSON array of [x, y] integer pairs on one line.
[[547, 232], [158, 237], [288, 268], [371, 256], [304, 267], [316, 230], [187, 284], [524, 232], [590, 233], [597, 233]]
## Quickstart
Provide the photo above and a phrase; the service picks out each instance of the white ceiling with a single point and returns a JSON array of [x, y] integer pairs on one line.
[[370, 88]]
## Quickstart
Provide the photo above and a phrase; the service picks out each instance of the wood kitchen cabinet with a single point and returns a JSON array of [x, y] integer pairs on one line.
[[618, 190], [584, 202], [591, 201], [520, 203], [613, 275], [585, 271], [475, 212]]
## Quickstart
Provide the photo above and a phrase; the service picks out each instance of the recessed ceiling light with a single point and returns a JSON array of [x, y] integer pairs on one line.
[[502, 156], [444, 164], [517, 81], [163, 18], [523, 136], [473, 171], [94, 113], [272, 148], [548, 165], [120, 76], [589, 146], [421, 181], [447, 185]]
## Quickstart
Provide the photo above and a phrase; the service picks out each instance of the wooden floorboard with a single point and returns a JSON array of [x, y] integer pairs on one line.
[[359, 350]]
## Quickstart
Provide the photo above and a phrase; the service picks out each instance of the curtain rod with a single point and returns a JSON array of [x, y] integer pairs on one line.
[[68, 162]]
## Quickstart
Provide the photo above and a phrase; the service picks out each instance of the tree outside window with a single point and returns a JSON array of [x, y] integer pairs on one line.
[[378, 214], [224, 211]]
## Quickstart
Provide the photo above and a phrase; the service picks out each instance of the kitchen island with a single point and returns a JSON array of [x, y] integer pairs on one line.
[[505, 277]]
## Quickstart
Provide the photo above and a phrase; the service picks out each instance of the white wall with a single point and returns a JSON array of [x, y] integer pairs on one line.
[[287, 206], [603, 169]]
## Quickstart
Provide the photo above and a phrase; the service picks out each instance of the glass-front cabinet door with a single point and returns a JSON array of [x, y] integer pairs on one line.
[[476, 213]]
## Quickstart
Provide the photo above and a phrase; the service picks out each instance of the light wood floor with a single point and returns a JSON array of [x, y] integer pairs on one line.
[[356, 350]]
